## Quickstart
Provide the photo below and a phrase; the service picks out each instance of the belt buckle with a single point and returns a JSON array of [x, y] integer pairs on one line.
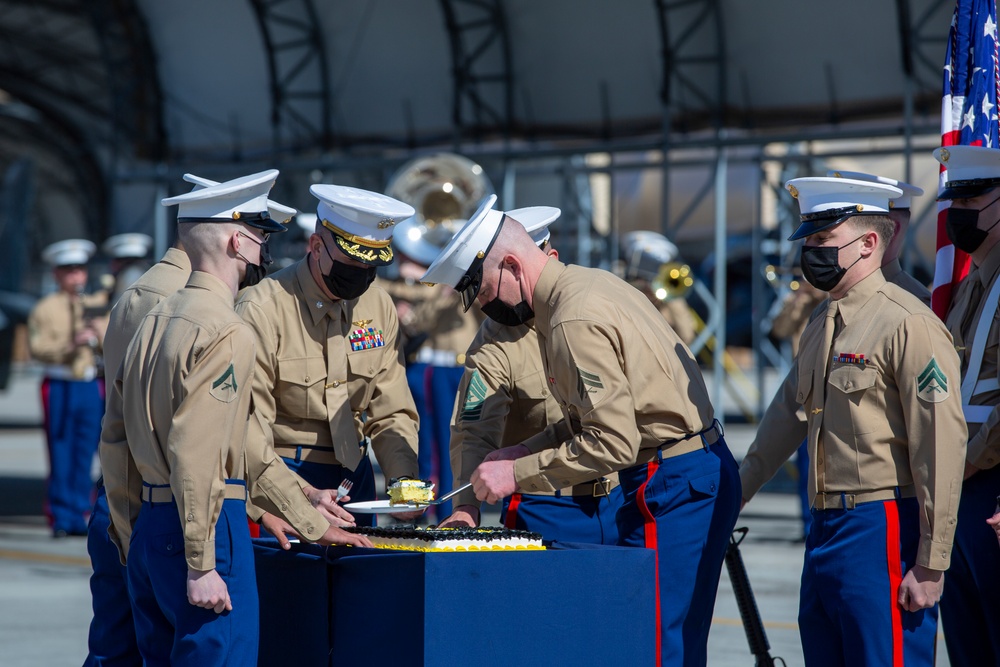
[[602, 488], [850, 501]]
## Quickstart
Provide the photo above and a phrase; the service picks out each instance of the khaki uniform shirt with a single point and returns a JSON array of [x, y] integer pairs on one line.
[[184, 397], [52, 326], [625, 381], [963, 317], [893, 421], [785, 417], [504, 399], [160, 281], [318, 378]]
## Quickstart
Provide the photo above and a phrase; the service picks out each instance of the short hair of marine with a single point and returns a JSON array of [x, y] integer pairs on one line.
[[512, 239], [205, 240], [880, 224]]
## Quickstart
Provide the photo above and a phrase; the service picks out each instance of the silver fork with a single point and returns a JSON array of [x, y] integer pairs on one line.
[[343, 489]]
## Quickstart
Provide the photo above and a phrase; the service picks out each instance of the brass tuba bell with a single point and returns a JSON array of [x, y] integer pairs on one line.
[[445, 189], [672, 281]]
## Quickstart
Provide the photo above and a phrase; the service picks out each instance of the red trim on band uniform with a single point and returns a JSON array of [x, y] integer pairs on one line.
[[46, 389], [649, 533], [510, 519], [254, 528], [895, 578]]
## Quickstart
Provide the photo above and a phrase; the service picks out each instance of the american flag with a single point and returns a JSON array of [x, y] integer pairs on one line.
[[968, 116]]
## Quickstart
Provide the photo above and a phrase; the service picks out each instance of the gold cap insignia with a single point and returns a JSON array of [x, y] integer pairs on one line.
[[945, 155], [794, 191], [892, 204], [236, 215], [385, 223], [361, 323], [837, 174], [480, 254], [860, 207]]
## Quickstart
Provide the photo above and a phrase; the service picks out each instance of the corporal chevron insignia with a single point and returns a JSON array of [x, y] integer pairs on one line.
[[224, 388], [475, 395], [932, 383], [587, 383]]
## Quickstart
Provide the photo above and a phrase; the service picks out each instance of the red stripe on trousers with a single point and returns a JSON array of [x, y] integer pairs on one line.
[[510, 520], [895, 578], [649, 532], [254, 528]]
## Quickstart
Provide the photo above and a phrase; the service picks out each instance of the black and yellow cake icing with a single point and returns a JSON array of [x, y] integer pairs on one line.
[[409, 537]]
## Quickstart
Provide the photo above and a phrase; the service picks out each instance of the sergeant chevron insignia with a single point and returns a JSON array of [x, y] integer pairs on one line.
[[475, 396], [587, 383], [224, 388], [932, 383]]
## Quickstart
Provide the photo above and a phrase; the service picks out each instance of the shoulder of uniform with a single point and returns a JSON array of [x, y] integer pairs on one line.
[[904, 299]]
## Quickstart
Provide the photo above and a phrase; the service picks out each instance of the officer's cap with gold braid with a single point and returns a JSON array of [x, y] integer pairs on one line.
[[905, 200], [242, 200], [972, 170], [279, 212], [362, 222], [826, 202]]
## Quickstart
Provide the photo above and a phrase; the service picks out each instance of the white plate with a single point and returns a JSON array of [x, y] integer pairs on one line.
[[381, 507]]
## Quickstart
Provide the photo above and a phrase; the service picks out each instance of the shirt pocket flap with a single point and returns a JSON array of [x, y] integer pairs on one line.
[[365, 363], [303, 372], [850, 379]]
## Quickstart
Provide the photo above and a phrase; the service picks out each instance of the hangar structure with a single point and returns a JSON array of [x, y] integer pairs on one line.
[[683, 116]]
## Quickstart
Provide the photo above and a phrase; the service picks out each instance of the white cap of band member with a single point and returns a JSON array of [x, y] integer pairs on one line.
[[972, 170], [242, 200], [306, 222], [645, 252], [536, 221], [903, 201], [127, 246], [71, 252], [825, 202], [362, 222], [278, 212]]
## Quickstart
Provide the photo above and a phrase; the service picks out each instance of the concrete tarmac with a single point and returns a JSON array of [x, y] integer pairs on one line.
[[45, 597]]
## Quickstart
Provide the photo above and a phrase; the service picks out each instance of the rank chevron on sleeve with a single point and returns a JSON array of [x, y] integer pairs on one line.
[[587, 383], [932, 383], [475, 395]]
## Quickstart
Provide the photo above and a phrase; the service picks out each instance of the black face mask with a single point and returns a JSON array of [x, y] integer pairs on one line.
[[510, 316], [345, 281], [821, 265], [256, 272], [962, 225]]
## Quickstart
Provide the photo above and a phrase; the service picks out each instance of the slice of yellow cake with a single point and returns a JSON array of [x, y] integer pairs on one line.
[[406, 490]]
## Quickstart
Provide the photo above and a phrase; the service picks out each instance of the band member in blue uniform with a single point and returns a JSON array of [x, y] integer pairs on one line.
[[66, 333]]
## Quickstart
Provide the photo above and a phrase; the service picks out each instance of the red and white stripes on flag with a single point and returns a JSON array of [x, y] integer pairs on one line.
[[968, 117]]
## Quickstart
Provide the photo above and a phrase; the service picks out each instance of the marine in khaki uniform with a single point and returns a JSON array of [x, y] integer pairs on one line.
[[970, 608], [876, 377], [174, 456], [112, 631], [66, 333], [503, 400], [330, 375], [633, 401], [784, 408]]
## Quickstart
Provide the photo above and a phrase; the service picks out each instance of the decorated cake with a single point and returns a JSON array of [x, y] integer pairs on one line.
[[409, 537], [406, 490]]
